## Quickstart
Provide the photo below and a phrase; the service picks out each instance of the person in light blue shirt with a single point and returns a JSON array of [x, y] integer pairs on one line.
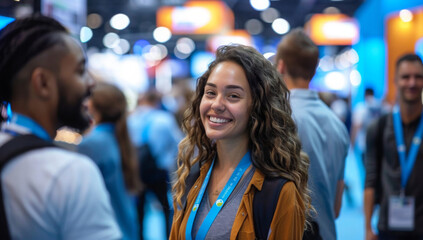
[[323, 136], [109, 146], [159, 130], [163, 133], [48, 193]]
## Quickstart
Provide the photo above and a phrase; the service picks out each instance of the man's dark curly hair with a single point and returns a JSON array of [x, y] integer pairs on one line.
[[22, 40]]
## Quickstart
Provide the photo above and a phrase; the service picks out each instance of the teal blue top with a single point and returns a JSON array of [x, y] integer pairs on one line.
[[101, 146]]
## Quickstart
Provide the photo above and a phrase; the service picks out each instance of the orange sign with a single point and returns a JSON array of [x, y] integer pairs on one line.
[[333, 29], [197, 17]]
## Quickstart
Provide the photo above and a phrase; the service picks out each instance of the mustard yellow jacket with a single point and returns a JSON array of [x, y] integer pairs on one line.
[[287, 223]]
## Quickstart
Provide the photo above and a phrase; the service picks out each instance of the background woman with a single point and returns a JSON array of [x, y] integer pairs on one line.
[[109, 146], [239, 130]]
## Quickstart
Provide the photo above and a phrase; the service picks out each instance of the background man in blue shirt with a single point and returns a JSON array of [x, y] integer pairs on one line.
[[157, 128], [323, 136]]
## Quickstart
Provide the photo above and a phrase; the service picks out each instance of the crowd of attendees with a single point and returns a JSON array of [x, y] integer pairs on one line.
[[250, 128]]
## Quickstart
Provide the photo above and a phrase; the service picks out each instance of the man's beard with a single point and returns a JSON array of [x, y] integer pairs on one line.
[[73, 115]]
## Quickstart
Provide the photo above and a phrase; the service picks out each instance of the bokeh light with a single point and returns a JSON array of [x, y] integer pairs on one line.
[[162, 34], [119, 21], [280, 26]]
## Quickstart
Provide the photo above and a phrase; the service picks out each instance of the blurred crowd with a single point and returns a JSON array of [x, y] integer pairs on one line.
[[248, 126]]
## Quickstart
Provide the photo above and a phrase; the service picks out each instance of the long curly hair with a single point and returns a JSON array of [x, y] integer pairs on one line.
[[273, 142]]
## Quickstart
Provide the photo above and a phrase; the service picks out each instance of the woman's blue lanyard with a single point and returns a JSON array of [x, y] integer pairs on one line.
[[407, 162], [31, 125], [217, 206]]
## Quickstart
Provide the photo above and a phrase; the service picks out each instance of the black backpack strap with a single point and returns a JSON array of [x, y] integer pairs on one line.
[[189, 182], [149, 171], [264, 205], [16, 146]]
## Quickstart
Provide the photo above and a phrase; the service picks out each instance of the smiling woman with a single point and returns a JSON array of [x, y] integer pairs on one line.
[[225, 105], [240, 132]]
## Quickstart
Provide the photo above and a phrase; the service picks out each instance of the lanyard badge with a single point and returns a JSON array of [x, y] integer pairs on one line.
[[236, 176], [401, 208]]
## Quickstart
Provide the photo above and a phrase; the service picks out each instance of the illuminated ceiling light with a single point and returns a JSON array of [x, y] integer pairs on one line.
[[94, 20], [85, 34], [269, 15], [162, 34], [335, 81], [355, 78], [110, 40], [122, 47], [406, 15], [254, 26], [185, 45], [119, 21], [280, 26], [260, 5]]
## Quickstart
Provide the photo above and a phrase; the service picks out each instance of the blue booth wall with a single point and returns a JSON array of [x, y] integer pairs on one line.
[[371, 47]]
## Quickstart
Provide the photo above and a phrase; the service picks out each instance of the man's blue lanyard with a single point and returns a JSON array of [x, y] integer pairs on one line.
[[407, 162], [31, 125], [217, 206]]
